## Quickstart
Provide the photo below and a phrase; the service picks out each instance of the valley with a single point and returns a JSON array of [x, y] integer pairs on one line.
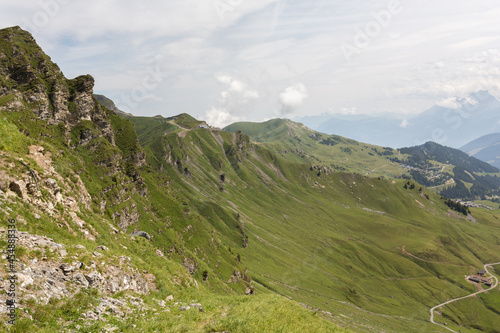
[[265, 227]]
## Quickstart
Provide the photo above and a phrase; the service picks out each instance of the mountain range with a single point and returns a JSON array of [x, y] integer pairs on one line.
[[439, 167], [485, 148], [453, 123], [146, 224]]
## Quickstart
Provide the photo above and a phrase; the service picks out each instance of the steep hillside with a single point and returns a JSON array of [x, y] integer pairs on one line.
[[104, 243], [110, 105], [295, 142], [485, 148], [355, 247], [122, 220], [448, 171], [435, 165]]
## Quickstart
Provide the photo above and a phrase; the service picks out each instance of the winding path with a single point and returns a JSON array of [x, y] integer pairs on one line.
[[457, 299]]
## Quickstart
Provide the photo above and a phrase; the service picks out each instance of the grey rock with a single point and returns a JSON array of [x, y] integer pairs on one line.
[[66, 268], [52, 185], [81, 280], [141, 234], [19, 187], [95, 279]]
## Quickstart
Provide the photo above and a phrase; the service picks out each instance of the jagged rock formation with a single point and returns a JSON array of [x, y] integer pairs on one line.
[[49, 277], [79, 157], [31, 82]]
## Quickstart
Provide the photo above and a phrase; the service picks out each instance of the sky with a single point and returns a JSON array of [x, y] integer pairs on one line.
[[232, 60]]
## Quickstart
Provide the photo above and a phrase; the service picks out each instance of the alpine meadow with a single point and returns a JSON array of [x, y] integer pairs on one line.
[[128, 223]]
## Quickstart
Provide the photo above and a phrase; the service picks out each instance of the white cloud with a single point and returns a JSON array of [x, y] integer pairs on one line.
[[292, 97], [449, 103], [235, 102], [351, 110], [449, 78], [225, 79], [404, 123], [219, 117], [430, 51]]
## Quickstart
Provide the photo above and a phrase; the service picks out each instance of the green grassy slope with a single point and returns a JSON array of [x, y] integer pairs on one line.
[[433, 165], [334, 241], [125, 195], [298, 143], [181, 229], [232, 216]]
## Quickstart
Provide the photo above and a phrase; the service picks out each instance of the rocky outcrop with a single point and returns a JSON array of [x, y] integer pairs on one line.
[[190, 264], [29, 184], [127, 217], [30, 80], [141, 234], [43, 279]]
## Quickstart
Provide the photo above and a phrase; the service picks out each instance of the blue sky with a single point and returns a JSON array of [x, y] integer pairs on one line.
[[231, 60]]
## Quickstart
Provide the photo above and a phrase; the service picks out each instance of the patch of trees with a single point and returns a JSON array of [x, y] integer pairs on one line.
[[485, 185], [331, 141], [409, 185], [421, 178], [386, 151], [338, 167], [466, 170], [346, 150], [447, 155], [457, 206], [459, 191], [461, 173]]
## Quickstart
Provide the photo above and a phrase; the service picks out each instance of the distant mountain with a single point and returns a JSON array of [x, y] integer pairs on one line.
[[485, 148], [298, 143], [451, 172], [456, 174], [453, 124], [144, 217]]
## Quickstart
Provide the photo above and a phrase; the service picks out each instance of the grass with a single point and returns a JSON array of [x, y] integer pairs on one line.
[[332, 241], [251, 215], [297, 143], [320, 239]]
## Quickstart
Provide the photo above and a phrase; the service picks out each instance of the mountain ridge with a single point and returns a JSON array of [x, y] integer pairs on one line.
[[430, 164], [209, 216], [485, 148]]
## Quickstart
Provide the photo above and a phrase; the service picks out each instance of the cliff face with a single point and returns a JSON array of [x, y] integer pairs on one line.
[[32, 80], [30, 83]]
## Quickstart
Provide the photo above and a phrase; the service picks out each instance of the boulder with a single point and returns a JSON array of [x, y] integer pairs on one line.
[[141, 234], [81, 280], [19, 187], [66, 268], [94, 279], [52, 185]]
